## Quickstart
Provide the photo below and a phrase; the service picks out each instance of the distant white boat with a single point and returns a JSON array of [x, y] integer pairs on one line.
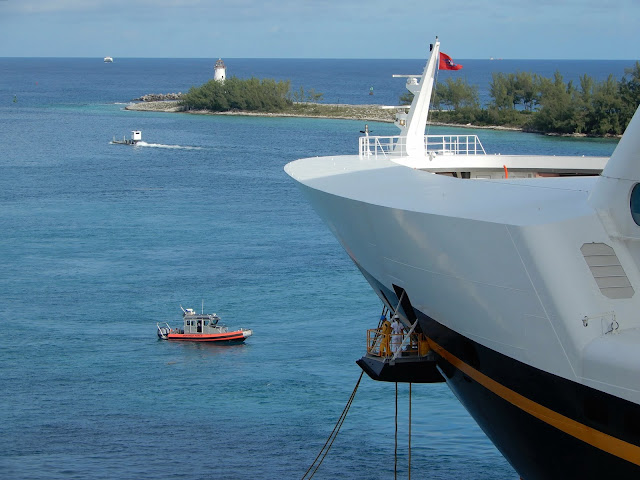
[[108, 59], [136, 136]]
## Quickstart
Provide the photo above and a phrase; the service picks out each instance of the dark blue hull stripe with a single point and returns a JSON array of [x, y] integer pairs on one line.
[[546, 426]]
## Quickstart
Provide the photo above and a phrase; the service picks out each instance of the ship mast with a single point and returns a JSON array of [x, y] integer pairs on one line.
[[419, 110]]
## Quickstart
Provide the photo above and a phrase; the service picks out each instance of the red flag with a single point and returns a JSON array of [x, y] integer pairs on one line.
[[446, 63]]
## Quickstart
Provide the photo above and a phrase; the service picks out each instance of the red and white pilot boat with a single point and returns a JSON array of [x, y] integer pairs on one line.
[[202, 327]]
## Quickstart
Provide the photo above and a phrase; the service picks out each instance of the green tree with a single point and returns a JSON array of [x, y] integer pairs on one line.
[[406, 98], [500, 91], [456, 94], [313, 96], [583, 99], [630, 92], [236, 94], [558, 112], [606, 112], [524, 90]]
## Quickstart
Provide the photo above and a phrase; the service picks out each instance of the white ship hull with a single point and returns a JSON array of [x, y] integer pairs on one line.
[[481, 270], [527, 288], [498, 258]]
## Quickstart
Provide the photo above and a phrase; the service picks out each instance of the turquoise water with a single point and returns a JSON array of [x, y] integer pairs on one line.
[[101, 241]]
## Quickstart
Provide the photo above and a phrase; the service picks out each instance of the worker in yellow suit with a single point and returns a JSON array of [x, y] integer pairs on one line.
[[385, 349]]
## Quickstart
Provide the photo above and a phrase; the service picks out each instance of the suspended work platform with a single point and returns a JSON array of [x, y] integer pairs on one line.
[[399, 357]]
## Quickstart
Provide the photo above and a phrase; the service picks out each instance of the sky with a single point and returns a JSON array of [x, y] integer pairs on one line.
[[467, 29]]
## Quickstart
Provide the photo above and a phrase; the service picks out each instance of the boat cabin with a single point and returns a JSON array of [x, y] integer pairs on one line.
[[200, 323], [136, 136]]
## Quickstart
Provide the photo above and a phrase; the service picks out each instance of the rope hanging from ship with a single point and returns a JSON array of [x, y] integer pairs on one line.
[[324, 451], [327, 445], [395, 446], [395, 452], [409, 448]]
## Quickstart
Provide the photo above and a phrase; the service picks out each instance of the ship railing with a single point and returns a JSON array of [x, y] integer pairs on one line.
[[374, 146], [396, 344]]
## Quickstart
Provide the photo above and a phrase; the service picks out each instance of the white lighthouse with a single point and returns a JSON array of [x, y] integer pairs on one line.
[[219, 71]]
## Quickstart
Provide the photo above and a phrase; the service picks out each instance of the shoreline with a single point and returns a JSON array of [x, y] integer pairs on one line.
[[370, 113], [373, 113]]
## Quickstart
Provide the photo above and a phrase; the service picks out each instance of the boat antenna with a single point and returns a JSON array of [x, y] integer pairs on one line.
[[202, 311]]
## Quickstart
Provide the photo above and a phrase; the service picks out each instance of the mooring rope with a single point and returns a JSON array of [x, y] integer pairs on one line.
[[395, 450], [409, 431], [327, 445]]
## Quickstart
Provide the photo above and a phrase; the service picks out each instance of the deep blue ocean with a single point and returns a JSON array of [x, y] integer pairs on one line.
[[100, 241]]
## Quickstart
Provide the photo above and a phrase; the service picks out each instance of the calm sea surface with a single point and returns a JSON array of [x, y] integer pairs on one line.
[[99, 242]]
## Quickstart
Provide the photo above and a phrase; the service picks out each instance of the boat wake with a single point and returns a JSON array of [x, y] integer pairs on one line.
[[160, 145]]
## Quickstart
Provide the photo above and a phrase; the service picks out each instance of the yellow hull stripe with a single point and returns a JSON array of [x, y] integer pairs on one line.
[[593, 437]]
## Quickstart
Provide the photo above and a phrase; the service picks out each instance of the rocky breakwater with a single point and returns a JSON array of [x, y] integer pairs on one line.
[[157, 102], [169, 102], [159, 97]]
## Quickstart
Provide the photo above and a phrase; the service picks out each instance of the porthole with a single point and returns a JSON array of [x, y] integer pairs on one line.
[[635, 203]]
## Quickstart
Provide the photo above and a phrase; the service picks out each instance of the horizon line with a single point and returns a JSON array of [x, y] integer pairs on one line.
[[461, 59]]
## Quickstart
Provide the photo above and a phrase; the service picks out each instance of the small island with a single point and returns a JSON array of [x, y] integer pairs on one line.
[[266, 97], [521, 101], [373, 113]]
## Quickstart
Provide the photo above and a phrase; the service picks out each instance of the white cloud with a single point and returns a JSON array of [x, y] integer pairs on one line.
[[378, 28]]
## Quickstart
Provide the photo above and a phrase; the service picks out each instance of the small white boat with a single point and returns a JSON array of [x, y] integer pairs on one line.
[[136, 136], [108, 59]]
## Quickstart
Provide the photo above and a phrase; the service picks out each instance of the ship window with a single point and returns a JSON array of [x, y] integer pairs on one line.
[[635, 203]]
